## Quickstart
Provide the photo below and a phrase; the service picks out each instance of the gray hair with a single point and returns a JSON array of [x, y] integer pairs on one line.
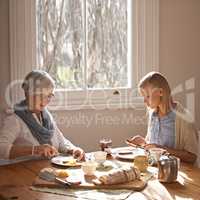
[[37, 80]]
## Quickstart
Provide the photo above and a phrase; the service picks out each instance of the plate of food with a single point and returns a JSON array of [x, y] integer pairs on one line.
[[129, 155], [65, 161]]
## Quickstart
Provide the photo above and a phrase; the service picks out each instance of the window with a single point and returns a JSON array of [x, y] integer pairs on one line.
[[83, 43], [96, 50]]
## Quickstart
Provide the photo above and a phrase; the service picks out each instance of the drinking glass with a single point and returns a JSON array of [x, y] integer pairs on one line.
[[105, 143]]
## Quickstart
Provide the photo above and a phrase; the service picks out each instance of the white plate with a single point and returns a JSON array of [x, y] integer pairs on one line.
[[65, 161], [129, 154]]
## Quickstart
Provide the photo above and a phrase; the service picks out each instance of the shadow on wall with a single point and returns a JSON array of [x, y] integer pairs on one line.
[[197, 103], [187, 94]]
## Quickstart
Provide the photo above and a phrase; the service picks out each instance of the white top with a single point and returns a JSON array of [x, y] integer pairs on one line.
[[15, 132]]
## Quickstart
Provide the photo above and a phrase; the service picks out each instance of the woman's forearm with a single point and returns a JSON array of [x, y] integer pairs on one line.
[[183, 155], [17, 151]]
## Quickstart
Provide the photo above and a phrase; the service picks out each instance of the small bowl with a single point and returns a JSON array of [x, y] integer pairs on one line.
[[100, 156], [89, 167]]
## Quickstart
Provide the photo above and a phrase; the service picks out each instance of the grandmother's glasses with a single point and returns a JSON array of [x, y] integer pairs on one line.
[[47, 97], [44, 96]]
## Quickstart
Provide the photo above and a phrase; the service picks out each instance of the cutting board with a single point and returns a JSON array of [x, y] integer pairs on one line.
[[136, 185], [86, 183]]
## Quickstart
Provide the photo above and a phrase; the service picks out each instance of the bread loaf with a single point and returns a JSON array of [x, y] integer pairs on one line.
[[122, 175]]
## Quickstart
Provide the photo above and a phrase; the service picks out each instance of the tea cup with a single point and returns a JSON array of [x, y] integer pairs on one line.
[[100, 156]]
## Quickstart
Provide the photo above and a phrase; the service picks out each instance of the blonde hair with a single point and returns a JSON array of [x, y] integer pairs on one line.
[[157, 80]]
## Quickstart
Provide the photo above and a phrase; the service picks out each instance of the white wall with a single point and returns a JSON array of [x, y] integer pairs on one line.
[[88, 126], [180, 49], [179, 61]]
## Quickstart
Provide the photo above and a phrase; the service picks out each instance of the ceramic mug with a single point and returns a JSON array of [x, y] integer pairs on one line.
[[155, 154]]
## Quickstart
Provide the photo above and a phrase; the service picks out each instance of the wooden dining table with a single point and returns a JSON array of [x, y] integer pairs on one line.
[[16, 180]]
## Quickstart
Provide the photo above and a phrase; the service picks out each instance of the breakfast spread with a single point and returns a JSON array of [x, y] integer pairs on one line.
[[90, 175]]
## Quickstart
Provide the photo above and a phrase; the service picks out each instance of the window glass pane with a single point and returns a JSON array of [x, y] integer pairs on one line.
[[106, 43], [60, 41]]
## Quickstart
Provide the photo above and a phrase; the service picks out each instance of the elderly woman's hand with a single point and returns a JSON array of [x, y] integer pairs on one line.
[[78, 153], [46, 150]]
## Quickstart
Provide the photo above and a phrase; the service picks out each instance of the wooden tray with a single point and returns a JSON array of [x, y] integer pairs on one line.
[[136, 185], [86, 183]]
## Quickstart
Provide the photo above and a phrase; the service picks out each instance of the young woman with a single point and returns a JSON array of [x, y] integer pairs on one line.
[[170, 126], [30, 130]]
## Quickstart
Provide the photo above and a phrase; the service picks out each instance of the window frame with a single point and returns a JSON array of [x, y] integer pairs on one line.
[[143, 45]]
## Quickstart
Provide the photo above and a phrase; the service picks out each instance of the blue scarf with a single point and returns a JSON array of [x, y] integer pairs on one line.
[[42, 133]]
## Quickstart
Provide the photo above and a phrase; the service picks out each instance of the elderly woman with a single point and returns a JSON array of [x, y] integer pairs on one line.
[[30, 130]]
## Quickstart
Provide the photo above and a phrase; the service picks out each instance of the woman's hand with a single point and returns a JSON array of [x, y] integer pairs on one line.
[[136, 140], [78, 153], [45, 150]]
